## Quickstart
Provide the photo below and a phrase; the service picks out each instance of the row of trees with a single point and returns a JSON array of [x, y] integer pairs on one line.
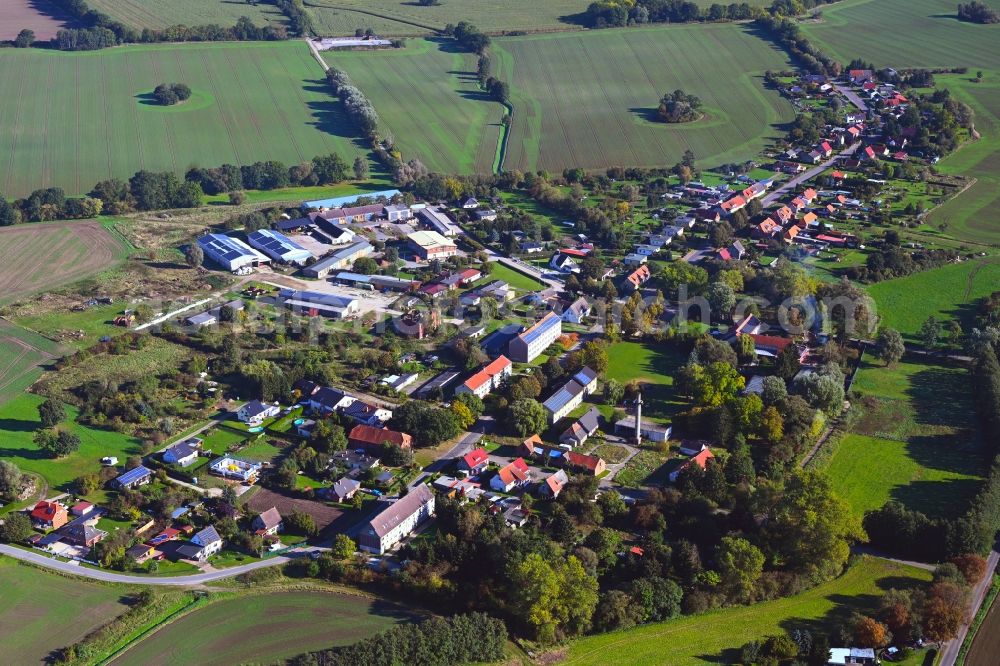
[[617, 13], [787, 33], [355, 103]]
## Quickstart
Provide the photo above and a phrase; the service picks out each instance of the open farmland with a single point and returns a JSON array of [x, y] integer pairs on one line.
[[587, 99], [871, 29], [45, 256], [250, 102], [716, 636], [264, 629], [428, 96], [948, 292], [41, 612], [915, 441], [16, 15], [22, 354], [157, 14]]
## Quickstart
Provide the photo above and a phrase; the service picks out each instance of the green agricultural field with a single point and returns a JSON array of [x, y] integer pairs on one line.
[[587, 99], [654, 365], [948, 292], [929, 34], [157, 14], [41, 611], [22, 355], [427, 95], [716, 636], [258, 101], [264, 629], [19, 421], [915, 441]]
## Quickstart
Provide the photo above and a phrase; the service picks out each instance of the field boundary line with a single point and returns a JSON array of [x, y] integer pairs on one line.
[[176, 615]]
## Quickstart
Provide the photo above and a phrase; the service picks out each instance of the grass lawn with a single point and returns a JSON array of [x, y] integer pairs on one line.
[[18, 422], [264, 628], [251, 101], [521, 283], [260, 450], [915, 441], [309, 193], [22, 355], [948, 292], [41, 611], [589, 99], [220, 438], [652, 364], [716, 637]]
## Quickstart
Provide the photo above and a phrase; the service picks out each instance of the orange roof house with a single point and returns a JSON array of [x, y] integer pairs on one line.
[[790, 233], [701, 460], [49, 515], [592, 464], [366, 436]]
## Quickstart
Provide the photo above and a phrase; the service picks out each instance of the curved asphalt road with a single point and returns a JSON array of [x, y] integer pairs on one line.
[[111, 577]]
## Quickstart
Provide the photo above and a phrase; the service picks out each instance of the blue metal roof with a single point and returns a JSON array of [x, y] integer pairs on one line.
[[340, 202], [134, 475], [560, 398]]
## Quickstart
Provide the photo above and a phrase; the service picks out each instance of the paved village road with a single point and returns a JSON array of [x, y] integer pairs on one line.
[[804, 176], [112, 577], [949, 653]]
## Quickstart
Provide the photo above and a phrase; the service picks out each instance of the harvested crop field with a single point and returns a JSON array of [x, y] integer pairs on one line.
[[263, 499], [44, 256], [22, 355], [16, 15], [250, 102], [158, 14], [588, 99], [264, 629]]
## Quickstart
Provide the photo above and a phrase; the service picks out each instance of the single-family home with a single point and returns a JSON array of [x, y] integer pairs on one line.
[[202, 545], [553, 484], [368, 437], [367, 414], [236, 469], [851, 657], [183, 453], [577, 311], [82, 533], [510, 476], [343, 489], [485, 215], [635, 279], [135, 477], [593, 465], [143, 552], [563, 263], [49, 515], [255, 412], [582, 429], [474, 461], [397, 521], [701, 460], [634, 259], [470, 203], [268, 523], [767, 228], [328, 400], [772, 345], [692, 447]]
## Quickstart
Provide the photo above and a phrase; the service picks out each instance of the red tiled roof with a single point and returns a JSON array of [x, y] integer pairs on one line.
[[371, 435], [770, 341], [810, 194], [46, 511], [573, 252], [582, 460], [475, 458], [487, 373]]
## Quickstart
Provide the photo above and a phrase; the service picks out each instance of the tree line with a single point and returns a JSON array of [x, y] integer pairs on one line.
[[100, 31], [977, 12], [787, 33], [619, 13]]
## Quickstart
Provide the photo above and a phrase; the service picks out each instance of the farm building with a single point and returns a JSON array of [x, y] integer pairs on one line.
[[278, 246], [138, 476], [398, 212], [230, 253], [527, 346], [431, 245], [437, 221], [487, 379], [315, 304], [397, 521], [233, 468], [380, 282], [339, 260], [211, 316], [339, 202], [651, 431]]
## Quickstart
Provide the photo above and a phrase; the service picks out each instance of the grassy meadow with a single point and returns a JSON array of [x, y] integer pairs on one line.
[[716, 636], [522, 284], [250, 102], [41, 611], [948, 292], [915, 440], [926, 33], [22, 355], [588, 99], [654, 366], [263, 628]]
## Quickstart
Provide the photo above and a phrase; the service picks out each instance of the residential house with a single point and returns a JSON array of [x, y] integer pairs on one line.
[[49, 515], [563, 263], [790, 233], [553, 484], [564, 400], [511, 476], [474, 462], [138, 476], [255, 412], [767, 228], [593, 465], [701, 460], [343, 489], [367, 414], [574, 435], [634, 280], [577, 311], [692, 447], [470, 203], [635, 259], [527, 346], [202, 545], [83, 534], [490, 377], [397, 521], [183, 453], [772, 345], [328, 400], [485, 215], [142, 553], [236, 469], [268, 523], [368, 437], [852, 657]]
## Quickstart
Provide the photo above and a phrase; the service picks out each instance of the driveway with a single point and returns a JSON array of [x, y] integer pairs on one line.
[[785, 187], [852, 97], [76, 569]]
